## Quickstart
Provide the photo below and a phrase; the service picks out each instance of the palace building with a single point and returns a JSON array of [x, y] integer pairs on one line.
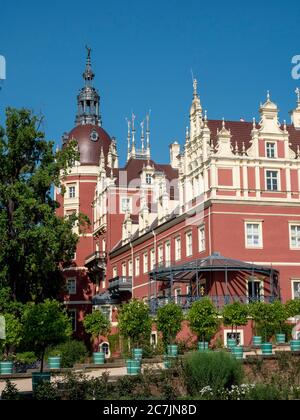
[[221, 219]]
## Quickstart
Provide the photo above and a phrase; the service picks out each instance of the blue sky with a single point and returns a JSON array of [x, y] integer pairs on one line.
[[143, 53]]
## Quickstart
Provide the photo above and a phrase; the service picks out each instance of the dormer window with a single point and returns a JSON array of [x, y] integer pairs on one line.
[[148, 179], [271, 150]]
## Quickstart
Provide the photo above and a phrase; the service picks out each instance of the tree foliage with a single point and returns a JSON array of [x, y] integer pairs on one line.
[[135, 322], [293, 308], [203, 319], [13, 332], [169, 320], [235, 315], [263, 317], [45, 324], [96, 324], [33, 240]]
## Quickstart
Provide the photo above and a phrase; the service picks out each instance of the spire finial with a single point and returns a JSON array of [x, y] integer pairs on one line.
[[244, 148], [148, 134], [223, 122], [236, 147], [297, 91], [195, 86], [268, 96], [284, 125], [133, 117], [143, 135], [254, 123]]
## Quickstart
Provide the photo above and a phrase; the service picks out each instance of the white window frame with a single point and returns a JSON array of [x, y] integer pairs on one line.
[[168, 251], [293, 281], [261, 242], [189, 246], [202, 238], [178, 248], [137, 266], [130, 268], [105, 343], [129, 204], [291, 225], [154, 334], [124, 269], [177, 293], [160, 255], [152, 259], [101, 307], [261, 284], [241, 332], [72, 188], [73, 311], [189, 290], [145, 263], [149, 176], [115, 272], [72, 291], [278, 179], [104, 245], [275, 149]]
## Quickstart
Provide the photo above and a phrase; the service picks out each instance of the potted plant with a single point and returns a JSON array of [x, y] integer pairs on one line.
[[203, 321], [234, 316], [45, 324], [280, 317], [54, 359], [263, 317], [135, 325], [96, 324], [169, 320], [13, 336], [292, 308]]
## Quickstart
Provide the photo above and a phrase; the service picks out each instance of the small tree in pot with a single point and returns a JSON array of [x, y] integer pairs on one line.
[[169, 320], [13, 337], [235, 315], [96, 324], [203, 321]]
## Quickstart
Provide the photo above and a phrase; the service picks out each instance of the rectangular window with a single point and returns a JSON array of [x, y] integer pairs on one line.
[[107, 311], [178, 249], [103, 245], [72, 192], [202, 244], [146, 263], [189, 244], [272, 178], [148, 179], [124, 270], [255, 291], [296, 289], [73, 318], [177, 296], [168, 254], [71, 286], [126, 205], [254, 235], [160, 256], [152, 259], [271, 150], [130, 269], [189, 290], [295, 236], [115, 272], [137, 266]]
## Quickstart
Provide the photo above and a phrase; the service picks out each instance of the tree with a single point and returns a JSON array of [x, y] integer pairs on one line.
[[293, 308], [280, 316], [134, 322], [46, 324], [235, 315], [33, 239], [203, 319], [263, 318], [13, 333], [96, 324], [169, 320]]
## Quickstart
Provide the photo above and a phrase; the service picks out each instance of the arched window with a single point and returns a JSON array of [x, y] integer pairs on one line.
[[104, 348]]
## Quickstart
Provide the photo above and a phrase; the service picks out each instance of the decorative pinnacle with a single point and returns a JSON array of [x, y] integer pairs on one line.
[[254, 123], [297, 91], [223, 122], [268, 96], [284, 125], [195, 86], [88, 75]]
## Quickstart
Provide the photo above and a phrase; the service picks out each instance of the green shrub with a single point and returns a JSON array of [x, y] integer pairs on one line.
[[218, 370], [46, 391], [10, 392], [71, 352], [27, 358], [265, 392]]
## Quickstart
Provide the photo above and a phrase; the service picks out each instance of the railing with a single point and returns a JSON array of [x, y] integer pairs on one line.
[[121, 283], [96, 257], [219, 302]]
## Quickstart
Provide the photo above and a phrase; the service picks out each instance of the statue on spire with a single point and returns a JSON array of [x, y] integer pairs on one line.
[[89, 50]]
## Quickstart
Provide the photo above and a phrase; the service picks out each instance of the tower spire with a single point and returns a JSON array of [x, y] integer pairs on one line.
[[148, 136], [88, 100], [133, 150]]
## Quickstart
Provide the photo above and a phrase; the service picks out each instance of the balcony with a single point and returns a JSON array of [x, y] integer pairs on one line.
[[120, 285], [185, 301], [96, 262]]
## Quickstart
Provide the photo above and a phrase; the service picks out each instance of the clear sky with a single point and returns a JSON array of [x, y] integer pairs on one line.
[[143, 53]]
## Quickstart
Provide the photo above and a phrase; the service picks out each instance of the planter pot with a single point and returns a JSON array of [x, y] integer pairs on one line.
[[295, 345], [231, 343], [238, 352], [168, 362], [99, 358], [267, 349], [173, 351], [257, 341], [54, 363], [39, 378], [280, 338], [203, 346], [6, 368], [133, 367], [137, 354]]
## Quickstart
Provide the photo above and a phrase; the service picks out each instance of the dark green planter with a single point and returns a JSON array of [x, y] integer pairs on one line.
[[168, 362], [39, 378], [99, 358], [133, 367], [231, 343], [137, 354], [267, 349], [203, 346], [257, 341], [280, 338], [238, 352], [173, 351], [6, 368], [295, 345], [54, 363]]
